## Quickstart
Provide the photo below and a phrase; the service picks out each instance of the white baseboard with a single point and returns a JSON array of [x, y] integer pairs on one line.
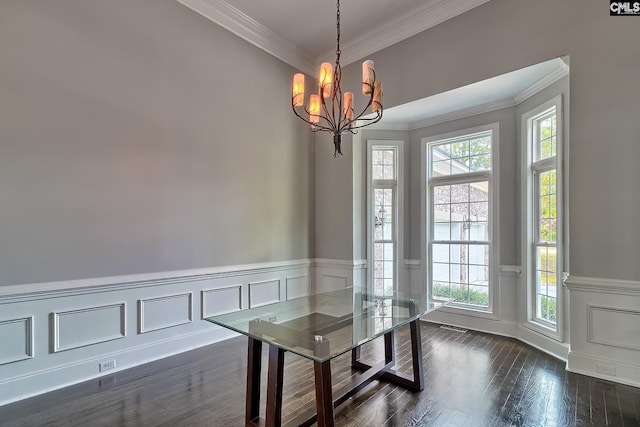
[[594, 366]]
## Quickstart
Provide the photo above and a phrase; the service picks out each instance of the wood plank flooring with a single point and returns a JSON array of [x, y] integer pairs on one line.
[[471, 379]]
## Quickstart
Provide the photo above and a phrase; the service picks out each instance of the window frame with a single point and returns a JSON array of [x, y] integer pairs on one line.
[[531, 168], [397, 186], [492, 176]]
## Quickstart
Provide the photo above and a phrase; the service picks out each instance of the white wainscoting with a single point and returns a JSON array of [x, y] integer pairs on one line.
[[57, 334], [16, 336], [605, 328], [264, 292], [332, 274], [164, 312], [222, 300], [87, 326]]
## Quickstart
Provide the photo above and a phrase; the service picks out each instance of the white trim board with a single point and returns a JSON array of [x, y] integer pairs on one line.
[[15, 293]]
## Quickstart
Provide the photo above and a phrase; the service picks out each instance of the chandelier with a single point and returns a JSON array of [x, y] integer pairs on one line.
[[331, 111]]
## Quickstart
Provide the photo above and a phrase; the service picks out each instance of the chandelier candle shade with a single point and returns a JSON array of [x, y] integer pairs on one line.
[[331, 111]]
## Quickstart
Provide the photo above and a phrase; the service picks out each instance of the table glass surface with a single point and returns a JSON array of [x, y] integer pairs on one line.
[[323, 326]]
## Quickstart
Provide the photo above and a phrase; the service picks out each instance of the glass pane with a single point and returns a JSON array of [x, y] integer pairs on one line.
[[383, 214], [383, 268], [383, 163], [546, 145], [466, 276], [464, 155], [546, 283], [547, 206], [460, 193], [442, 194], [440, 253]]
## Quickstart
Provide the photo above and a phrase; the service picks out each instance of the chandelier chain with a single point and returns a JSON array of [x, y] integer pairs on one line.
[[338, 30]]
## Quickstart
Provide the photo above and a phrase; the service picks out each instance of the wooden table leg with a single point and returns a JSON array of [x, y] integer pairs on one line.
[[324, 394], [254, 366], [389, 347], [274, 386], [416, 355]]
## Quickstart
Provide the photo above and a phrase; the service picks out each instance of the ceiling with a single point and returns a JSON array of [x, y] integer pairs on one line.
[[492, 94], [302, 33]]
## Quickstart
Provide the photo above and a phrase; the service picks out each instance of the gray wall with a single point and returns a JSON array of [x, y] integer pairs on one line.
[[505, 35], [136, 136]]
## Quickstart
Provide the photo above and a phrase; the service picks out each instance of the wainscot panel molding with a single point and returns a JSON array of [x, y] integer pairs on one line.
[[59, 333], [16, 293], [264, 292], [597, 284], [604, 315], [221, 301], [16, 336], [164, 312], [626, 334], [296, 287], [331, 274], [88, 326]]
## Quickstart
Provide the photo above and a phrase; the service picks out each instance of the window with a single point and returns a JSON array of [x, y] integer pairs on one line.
[[542, 208], [460, 217], [384, 229]]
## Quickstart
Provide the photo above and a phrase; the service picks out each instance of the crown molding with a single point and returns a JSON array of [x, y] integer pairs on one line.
[[430, 14], [242, 25], [461, 114], [545, 82]]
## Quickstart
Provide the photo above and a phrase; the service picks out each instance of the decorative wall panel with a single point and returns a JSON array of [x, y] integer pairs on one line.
[[164, 312], [298, 287], [221, 300], [87, 326], [16, 339], [261, 293], [613, 326]]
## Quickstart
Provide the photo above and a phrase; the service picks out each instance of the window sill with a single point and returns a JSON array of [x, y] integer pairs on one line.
[[464, 310], [543, 330]]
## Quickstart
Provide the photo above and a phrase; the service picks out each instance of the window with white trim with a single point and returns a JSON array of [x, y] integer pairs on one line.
[[460, 217], [542, 183], [384, 208]]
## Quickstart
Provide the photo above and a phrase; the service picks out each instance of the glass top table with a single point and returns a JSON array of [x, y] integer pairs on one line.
[[321, 327], [326, 325]]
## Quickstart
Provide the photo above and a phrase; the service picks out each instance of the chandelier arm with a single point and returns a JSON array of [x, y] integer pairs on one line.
[[329, 118], [369, 121], [315, 126]]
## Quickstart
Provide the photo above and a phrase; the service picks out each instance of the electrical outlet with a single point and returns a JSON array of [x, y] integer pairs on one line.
[[607, 370], [107, 365]]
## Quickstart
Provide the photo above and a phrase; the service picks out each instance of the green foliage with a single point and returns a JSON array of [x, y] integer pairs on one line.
[[548, 205], [548, 309], [460, 295], [548, 263]]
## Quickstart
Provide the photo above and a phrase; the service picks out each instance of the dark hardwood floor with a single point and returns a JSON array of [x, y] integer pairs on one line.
[[471, 379]]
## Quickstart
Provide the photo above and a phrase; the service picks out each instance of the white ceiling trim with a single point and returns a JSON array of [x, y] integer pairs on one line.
[[461, 114], [242, 25], [430, 14], [541, 84], [546, 81]]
